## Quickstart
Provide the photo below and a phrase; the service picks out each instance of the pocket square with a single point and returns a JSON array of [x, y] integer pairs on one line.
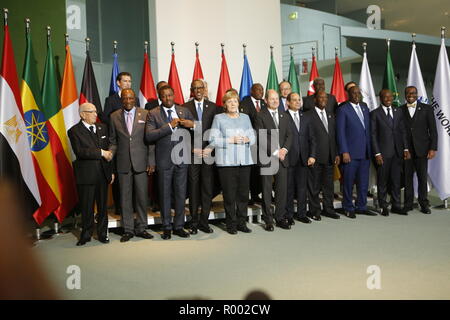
[[141, 121], [103, 137]]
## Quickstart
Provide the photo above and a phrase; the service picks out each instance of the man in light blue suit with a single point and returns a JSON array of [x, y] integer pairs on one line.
[[353, 135]]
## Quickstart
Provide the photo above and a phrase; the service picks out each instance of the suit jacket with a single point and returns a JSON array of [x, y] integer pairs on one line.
[[158, 131], [112, 103], [131, 151], [421, 129], [326, 141], [210, 109], [283, 134], [304, 143], [246, 106], [309, 103], [152, 104], [90, 167], [388, 139], [352, 136]]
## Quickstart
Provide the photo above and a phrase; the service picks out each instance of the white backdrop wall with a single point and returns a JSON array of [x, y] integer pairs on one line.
[[211, 22]]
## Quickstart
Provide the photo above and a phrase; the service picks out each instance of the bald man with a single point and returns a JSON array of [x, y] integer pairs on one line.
[[93, 171]]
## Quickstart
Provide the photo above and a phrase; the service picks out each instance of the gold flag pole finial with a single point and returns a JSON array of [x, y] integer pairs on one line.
[[443, 32]]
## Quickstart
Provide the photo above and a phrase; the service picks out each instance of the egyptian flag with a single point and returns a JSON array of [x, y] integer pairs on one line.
[[16, 160], [89, 91]]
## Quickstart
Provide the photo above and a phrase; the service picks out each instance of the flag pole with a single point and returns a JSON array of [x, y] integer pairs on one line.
[[146, 46], [442, 38], [244, 47], [5, 17], [115, 47], [336, 49], [313, 51], [87, 41], [196, 48], [173, 44], [66, 39]]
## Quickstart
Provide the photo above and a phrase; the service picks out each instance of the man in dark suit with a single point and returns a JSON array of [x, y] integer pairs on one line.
[[347, 87], [389, 146], [155, 103], [114, 102], [133, 160], [251, 106], [309, 102], [284, 88], [302, 155], [321, 173], [93, 171], [274, 129], [422, 143], [200, 172], [166, 126], [353, 136]]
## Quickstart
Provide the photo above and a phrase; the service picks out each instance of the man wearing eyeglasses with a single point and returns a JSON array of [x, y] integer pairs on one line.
[[93, 171]]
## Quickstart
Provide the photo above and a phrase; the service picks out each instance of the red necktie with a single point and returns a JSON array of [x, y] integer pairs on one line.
[[258, 109]]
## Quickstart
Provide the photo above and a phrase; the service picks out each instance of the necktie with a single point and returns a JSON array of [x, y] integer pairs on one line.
[[129, 122], [274, 116], [92, 129], [199, 111], [297, 121], [391, 119], [360, 115], [169, 115], [258, 109], [324, 120]]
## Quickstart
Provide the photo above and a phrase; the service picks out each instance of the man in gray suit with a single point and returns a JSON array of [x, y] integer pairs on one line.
[[134, 160], [166, 128]]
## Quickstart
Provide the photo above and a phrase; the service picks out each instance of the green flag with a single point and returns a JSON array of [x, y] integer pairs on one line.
[[272, 79], [292, 78], [50, 88], [389, 79]]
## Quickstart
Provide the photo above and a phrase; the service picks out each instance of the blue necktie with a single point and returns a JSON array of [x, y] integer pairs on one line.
[[199, 111], [169, 115], [391, 119], [360, 115]]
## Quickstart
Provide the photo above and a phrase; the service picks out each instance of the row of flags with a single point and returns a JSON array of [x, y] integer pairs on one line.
[[34, 119]]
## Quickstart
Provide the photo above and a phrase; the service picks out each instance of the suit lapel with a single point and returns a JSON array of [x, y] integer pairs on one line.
[[385, 117], [137, 116], [320, 120], [122, 121]]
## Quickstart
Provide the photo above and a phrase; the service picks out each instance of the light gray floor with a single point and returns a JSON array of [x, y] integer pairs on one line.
[[322, 260]]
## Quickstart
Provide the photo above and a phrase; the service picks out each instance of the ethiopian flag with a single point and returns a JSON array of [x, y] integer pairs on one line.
[[38, 134], [51, 107]]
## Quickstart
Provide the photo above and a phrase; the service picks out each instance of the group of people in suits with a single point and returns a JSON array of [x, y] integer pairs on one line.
[[283, 145]]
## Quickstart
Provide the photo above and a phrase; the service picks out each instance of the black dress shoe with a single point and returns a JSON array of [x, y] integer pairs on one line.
[[103, 239], [425, 210], [244, 229], [82, 242], [206, 229], [126, 237], [291, 221], [283, 224], [145, 235], [401, 211], [268, 227], [366, 212], [303, 219], [231, 230], [350, 214], [181, 233], [408, 208], [385, 212], [332, 215], [316, 217], [193, 230], [167, 234]]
